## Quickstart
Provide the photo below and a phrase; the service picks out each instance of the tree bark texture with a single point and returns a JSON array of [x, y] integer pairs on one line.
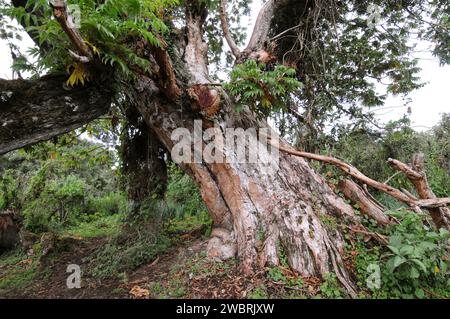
[[32, 111]]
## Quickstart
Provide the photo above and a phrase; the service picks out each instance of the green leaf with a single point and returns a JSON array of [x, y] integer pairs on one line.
[[406, 250], [394, 249], [420, 264], [420, 293], [414, 273]]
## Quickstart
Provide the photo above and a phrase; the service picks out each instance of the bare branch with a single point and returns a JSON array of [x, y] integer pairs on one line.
[[402, 167], [354, 172], [417, 176], [78, 57], [367, 205], [226, 31]]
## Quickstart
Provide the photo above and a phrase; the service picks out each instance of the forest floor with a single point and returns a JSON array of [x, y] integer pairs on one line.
[[183, 271]]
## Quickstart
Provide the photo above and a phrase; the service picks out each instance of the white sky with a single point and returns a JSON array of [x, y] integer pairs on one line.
[[427, 104]]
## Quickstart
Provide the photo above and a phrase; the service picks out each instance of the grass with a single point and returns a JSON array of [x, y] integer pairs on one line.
[[16, 271], [122, 255], [188, 223], [106, 226]]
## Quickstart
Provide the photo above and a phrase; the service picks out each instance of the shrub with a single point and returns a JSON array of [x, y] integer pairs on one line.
[[109, 204], [417, 257], [58, 202], [8, 190], [182, 194]]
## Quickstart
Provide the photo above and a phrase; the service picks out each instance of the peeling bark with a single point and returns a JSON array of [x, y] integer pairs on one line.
[[263, 211], [259, 212]]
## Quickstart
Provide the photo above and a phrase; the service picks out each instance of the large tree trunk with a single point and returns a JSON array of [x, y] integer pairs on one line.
[[258, 213]]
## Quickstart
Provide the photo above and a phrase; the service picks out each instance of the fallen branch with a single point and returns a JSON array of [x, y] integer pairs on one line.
[[354, 172], [417, 176], [367, 205], [402, 167]]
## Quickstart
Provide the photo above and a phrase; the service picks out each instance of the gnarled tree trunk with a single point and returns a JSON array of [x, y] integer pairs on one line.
[[257, 213]]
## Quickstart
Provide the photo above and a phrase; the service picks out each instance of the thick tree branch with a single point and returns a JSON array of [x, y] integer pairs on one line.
[[263, 23], [196, 51], [37, 110], [368, 206], [226, 31], [408, 171]]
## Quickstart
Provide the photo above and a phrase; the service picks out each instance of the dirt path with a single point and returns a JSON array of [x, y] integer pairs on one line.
[[182, 272]]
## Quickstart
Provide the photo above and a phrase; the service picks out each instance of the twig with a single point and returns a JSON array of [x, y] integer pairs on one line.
[[390, 178], [380, 238]]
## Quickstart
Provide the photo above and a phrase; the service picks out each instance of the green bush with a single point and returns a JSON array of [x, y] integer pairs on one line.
[[417, 257], [97, 226], [109, 204], [8, 190], [58, 202], [183, 196], [262, 90]]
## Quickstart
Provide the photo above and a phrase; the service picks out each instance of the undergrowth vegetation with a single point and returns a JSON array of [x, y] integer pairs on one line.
[[74, 191], [414, 264]]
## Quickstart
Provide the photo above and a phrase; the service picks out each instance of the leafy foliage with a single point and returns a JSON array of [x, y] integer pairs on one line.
[[56, 186], [330, 287], [413, 265], [349, 66], [104, 26], [183, 194], [418, 257], [264, 91]]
